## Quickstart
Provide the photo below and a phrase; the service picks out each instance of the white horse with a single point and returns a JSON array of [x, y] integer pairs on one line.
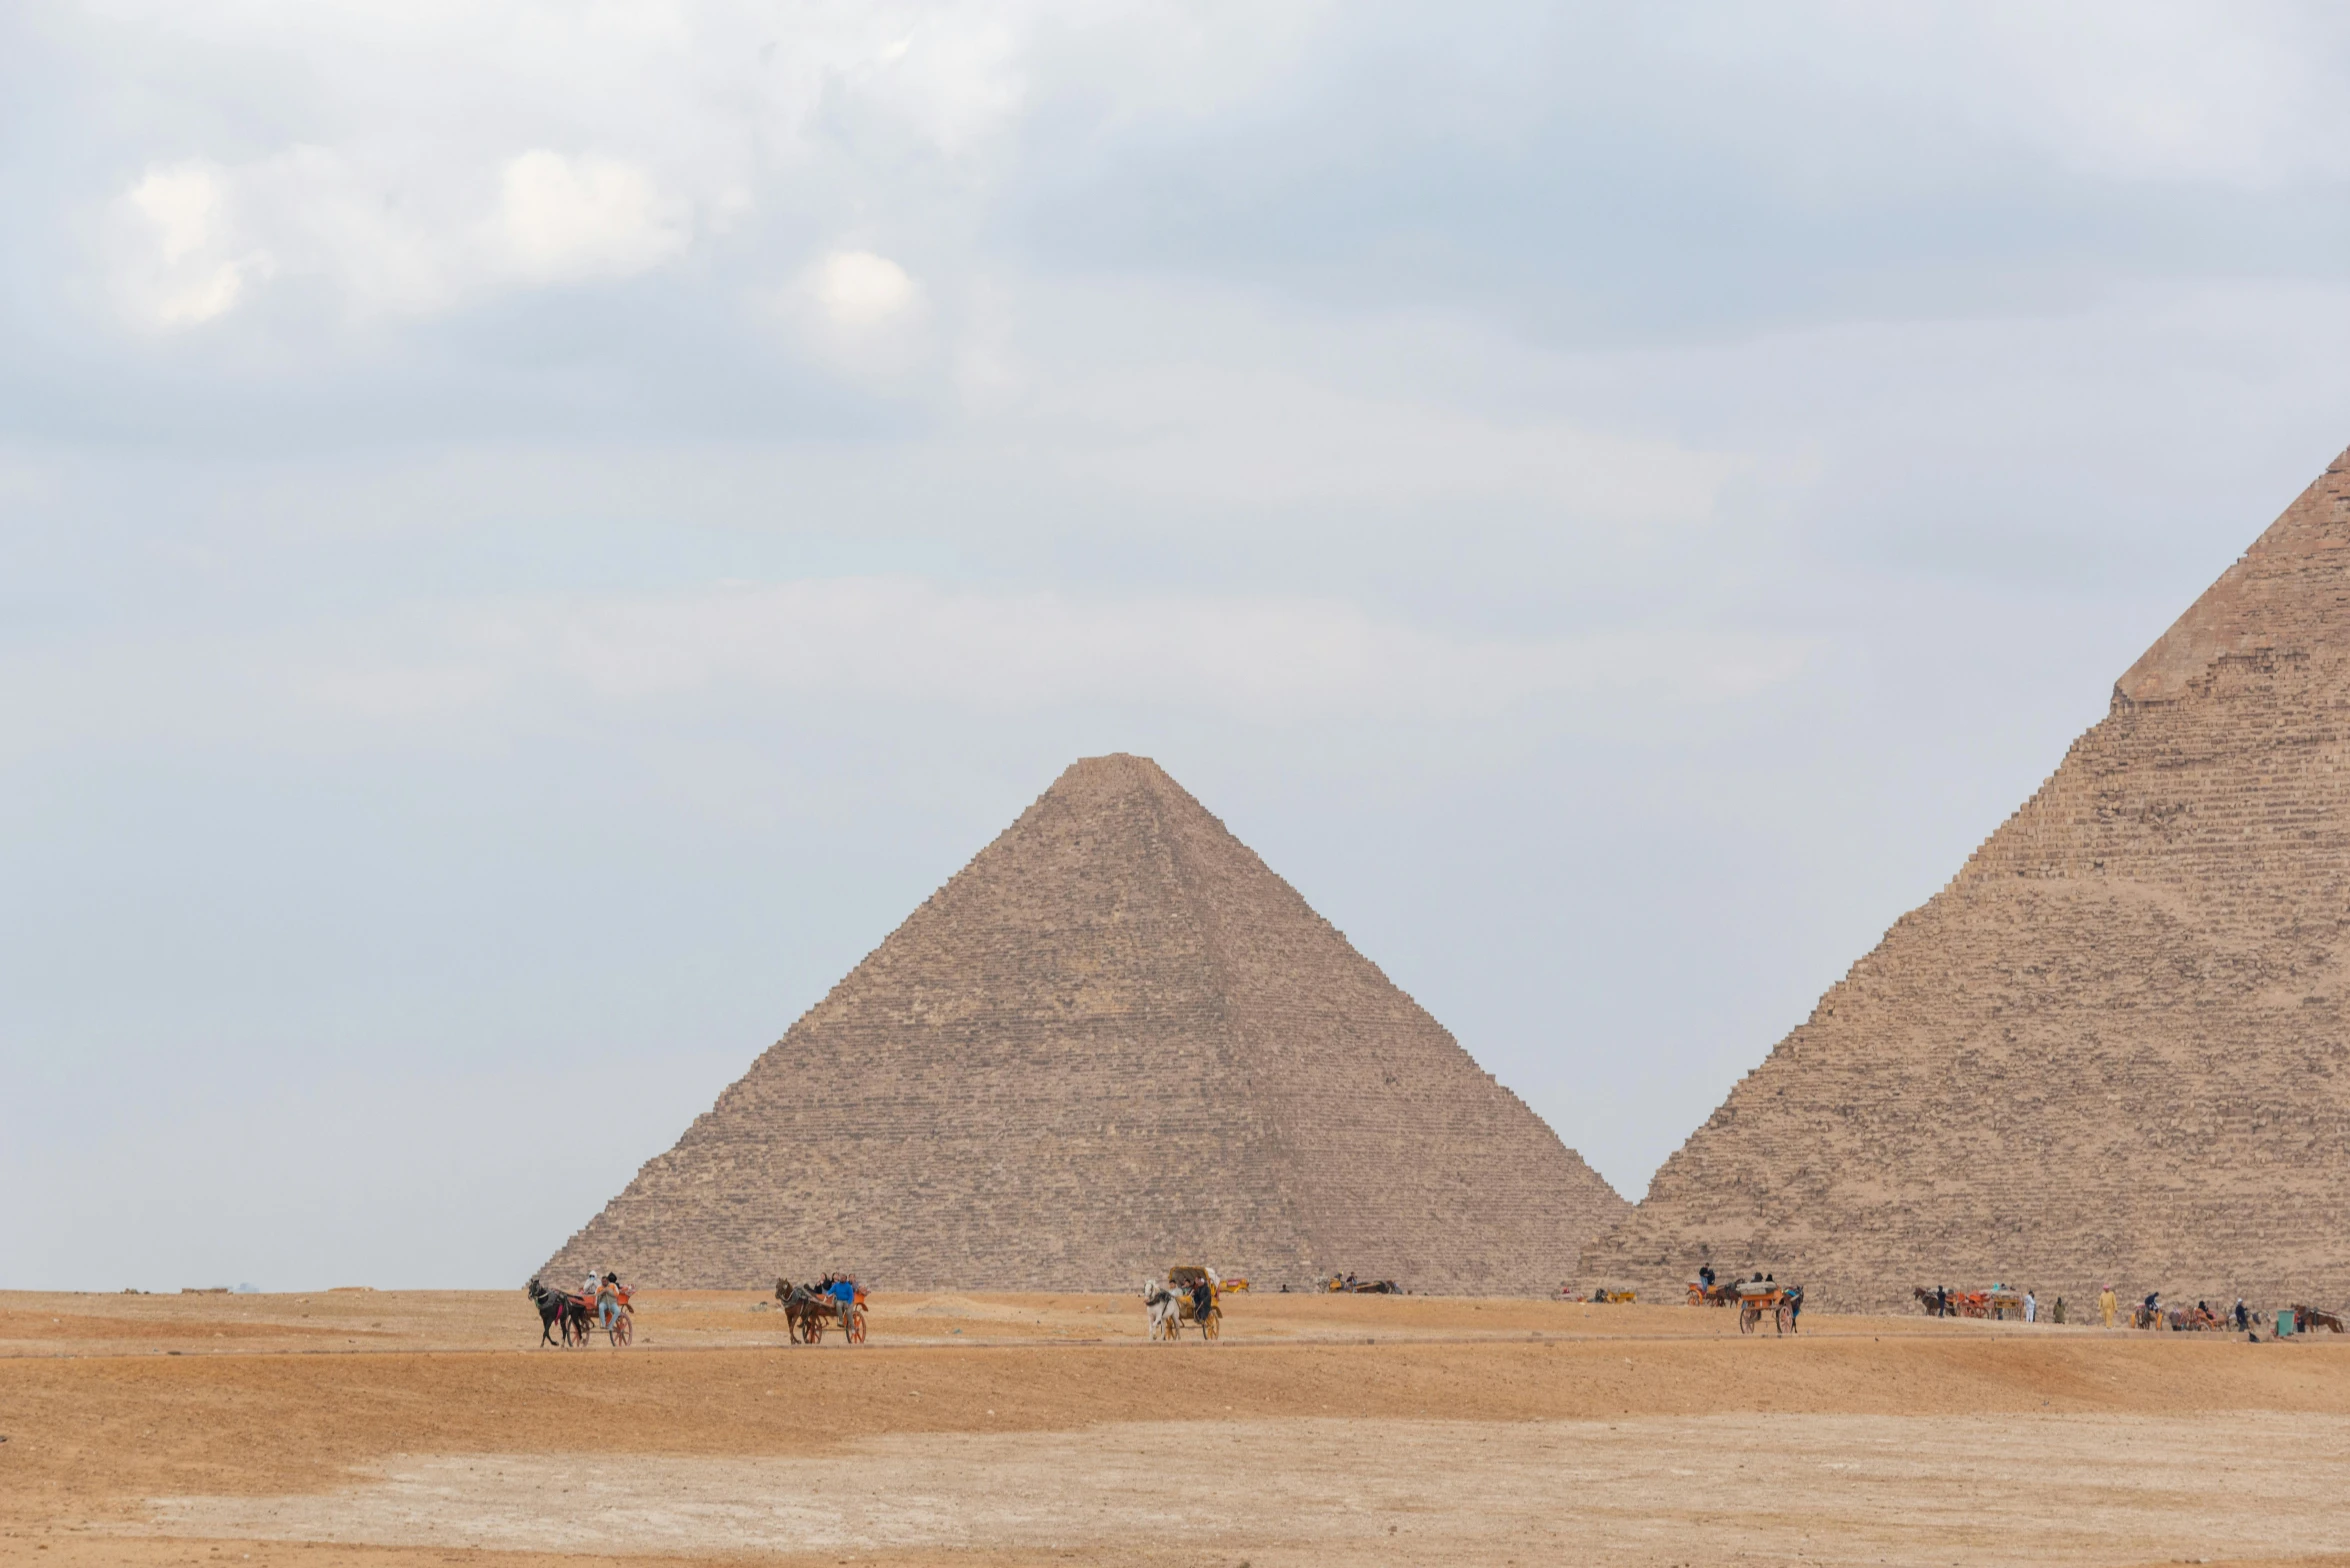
[[1165, 1307]]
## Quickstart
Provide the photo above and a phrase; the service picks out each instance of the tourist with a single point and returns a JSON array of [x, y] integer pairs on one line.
[[2106, 1304], [1705, 1275], [844, 1295], [2031, 1307], [595, 1278], [608, 1301]]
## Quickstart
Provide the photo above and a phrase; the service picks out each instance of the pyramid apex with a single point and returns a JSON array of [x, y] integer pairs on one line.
[[1113, 760], [1111, 772], [2277, 599]]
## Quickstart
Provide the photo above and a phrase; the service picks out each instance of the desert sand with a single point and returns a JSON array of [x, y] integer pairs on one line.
[[387, 1429]]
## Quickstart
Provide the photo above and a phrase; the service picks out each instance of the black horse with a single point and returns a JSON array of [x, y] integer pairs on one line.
[[558, 1308]]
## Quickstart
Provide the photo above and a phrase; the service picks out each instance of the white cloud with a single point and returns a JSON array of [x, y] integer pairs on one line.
[[856, 288], [177, 257], [859, 314], [912, 640], [565, 219]]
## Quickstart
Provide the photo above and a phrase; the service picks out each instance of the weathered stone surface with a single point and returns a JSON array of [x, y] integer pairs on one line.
[[2113, 1048], [1114, 1041]]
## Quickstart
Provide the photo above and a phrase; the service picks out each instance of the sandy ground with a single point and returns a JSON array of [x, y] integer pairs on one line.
[[390, 1429]]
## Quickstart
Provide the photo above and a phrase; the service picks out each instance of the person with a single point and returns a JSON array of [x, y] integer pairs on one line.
[[2153, 1310], [594, 1278], [608, 1301], [1941, 1301], [2031, 1307], [2060, 1309], [2243, 1318], [1794, 1306], [844, 1297], [2106, 1304], [1203, 1300], [1705, 1275]]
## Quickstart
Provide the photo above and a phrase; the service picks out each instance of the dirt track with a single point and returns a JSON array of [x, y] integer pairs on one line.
[[1048, 1431]]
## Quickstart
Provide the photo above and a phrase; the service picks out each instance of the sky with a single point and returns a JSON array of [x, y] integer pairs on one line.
[[531, 536]]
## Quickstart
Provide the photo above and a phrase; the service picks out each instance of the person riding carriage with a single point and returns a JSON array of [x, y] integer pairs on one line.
[[611, 1301]]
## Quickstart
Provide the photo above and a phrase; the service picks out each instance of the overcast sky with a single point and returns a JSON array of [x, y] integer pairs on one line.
[[532, 535]]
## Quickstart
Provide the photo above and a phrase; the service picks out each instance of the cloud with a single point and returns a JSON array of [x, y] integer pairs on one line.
[[177, 258], [857, 313], [564, 219], [187, 242], [856, 288], [909, 640]]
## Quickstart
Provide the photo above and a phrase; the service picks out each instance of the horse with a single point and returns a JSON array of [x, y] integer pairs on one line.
[[2307, 1318], [805, 1307], [556, 1307], [1165, 1308], [1930, 1300]]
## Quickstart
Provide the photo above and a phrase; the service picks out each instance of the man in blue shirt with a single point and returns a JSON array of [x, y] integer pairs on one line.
[[844, 1294]]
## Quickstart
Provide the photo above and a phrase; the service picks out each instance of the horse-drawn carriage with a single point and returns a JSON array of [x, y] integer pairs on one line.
[[807, 1309], [1722, 1293], [1179, 1302], [1782, 1304], [577, 1317], [1348, 1285]]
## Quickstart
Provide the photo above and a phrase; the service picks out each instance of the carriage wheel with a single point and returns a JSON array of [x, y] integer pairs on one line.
[[1212, 1326], [813, 1329], [857, 1327], [1781, 1315], [1747, 1318], [623, 1330]]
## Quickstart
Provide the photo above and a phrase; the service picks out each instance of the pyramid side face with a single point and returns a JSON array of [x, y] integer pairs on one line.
[[2112, 1050], [1401, 1158], [1045, 1078]]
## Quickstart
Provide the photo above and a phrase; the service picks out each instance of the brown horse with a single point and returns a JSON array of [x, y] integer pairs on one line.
[[2307, 1318], [805, 1308]]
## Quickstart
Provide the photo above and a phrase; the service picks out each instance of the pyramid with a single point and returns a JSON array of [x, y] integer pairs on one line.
[[2113, 1047], [1113, 1042]]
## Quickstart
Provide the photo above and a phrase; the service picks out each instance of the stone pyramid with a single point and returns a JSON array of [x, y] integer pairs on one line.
[[2113, 1048], [1114, 1041]]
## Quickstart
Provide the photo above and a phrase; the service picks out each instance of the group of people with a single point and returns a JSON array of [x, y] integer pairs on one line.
[[1943, 1304], [2148, 1314], [606, 1293], [2238, 1317]]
